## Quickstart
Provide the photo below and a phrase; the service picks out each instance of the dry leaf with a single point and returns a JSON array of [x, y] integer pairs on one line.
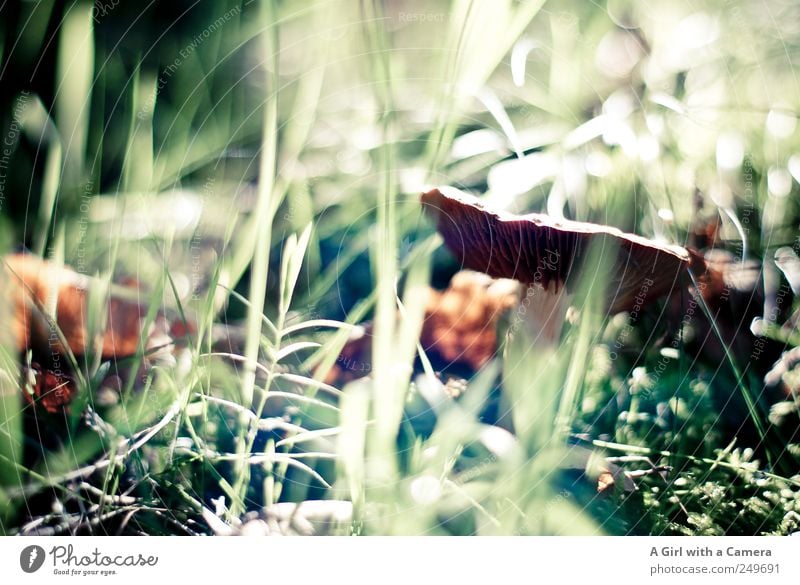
[[38, 288], [460, 327], [605, 482], [461, 322], [46, 388]]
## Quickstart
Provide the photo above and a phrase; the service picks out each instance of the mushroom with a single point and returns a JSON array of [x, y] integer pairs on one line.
[[547, 256]]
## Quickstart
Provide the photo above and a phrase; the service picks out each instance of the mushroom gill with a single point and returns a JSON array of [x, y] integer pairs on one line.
[[538, 250]]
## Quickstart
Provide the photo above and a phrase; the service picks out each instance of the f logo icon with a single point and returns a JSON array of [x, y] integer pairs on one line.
[[31, 558]]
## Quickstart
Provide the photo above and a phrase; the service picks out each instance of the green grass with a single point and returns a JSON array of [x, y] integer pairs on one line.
[[257, 167]]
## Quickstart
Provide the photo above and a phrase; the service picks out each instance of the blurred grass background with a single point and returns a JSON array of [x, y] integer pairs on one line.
[[259, 164]]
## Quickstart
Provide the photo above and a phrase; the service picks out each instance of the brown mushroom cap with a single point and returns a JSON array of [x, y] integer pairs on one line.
[[536, 249]]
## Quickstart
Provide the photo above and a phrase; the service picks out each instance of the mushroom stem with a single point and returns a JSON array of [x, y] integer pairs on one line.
[[543, 311]]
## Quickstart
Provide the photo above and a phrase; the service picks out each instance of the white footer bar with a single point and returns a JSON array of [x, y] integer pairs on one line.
[[387, 560]]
